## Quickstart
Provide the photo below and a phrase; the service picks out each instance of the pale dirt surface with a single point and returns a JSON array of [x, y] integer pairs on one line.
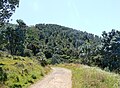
[[58, 78]]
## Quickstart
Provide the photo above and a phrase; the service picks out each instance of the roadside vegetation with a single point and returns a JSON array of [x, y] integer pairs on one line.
[[20, 72], [92, 77]]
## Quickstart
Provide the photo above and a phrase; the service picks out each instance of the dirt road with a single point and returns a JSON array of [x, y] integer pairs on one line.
[[59, 78]]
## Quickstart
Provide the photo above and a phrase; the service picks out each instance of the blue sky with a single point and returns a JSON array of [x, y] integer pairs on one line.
[[93, 16]]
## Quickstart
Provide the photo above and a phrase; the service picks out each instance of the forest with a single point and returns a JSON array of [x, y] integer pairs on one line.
[[55, 44]]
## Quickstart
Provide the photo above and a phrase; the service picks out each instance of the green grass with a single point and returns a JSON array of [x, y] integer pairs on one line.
[[20, 72], [92, 77]]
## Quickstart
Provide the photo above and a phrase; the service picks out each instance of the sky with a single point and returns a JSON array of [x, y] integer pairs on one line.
[[92, 16]]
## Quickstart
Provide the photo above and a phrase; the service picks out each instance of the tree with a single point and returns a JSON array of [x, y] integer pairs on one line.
[[110, 50], [32, 41], [15, 38], [20, 32], [7, 8], [88, 52]]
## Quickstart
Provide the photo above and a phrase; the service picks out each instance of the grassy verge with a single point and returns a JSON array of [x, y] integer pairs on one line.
[[20, 72], [92, 77]]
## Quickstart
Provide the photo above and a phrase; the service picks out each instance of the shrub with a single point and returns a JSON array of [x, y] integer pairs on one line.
[[42, 59], [56, 59], [3, 75], [3, 54], [33, 76], [30, 81], [16, 86], [28, 52]]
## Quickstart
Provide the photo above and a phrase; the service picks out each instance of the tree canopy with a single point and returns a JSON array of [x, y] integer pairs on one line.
[[7, 8], [110, 50]]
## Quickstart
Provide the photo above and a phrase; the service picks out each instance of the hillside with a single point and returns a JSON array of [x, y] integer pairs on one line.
[[54, 43], [20, 72], [65, 44], [49, 41]]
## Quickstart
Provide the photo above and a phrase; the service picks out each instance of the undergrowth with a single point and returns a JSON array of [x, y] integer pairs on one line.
[[20, 72]]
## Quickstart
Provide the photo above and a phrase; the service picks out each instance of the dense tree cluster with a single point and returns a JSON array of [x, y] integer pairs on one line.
[[13, 39], [69, 44], [110, 50], [54, 41], [51, 43]]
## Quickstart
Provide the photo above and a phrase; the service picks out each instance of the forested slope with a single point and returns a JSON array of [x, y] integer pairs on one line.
[[48, 40], [52, 43], [59, 42]]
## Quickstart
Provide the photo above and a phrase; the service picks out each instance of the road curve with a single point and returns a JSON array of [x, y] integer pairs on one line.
[[58, 78]]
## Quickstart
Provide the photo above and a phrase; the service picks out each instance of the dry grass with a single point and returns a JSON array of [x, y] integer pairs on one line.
[[92, 77]]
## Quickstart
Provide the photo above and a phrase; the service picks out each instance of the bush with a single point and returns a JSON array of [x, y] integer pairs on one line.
[[33, 76], [42, 61], [49, 61], [9, 56], [41, 58], [3, 75], [30, 81], [18, 58], [3, 54], [56, 59], [48, 54], [16, 86], [28, 52]]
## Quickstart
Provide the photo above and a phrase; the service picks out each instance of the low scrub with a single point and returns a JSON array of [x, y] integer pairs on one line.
[[20, 72], [92, 77]]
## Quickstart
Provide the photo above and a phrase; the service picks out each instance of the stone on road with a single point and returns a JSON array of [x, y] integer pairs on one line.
[[59, 78]]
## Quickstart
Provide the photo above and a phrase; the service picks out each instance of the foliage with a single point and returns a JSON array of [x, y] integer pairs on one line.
[[3, 76], [41, 58], [52, 43], [7, 8], [13, 39], [110, 50], [62, 41], [28, 52], [32, 40], [56, 59]]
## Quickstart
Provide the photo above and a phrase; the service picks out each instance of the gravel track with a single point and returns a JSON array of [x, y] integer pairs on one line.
[[58, 78]]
